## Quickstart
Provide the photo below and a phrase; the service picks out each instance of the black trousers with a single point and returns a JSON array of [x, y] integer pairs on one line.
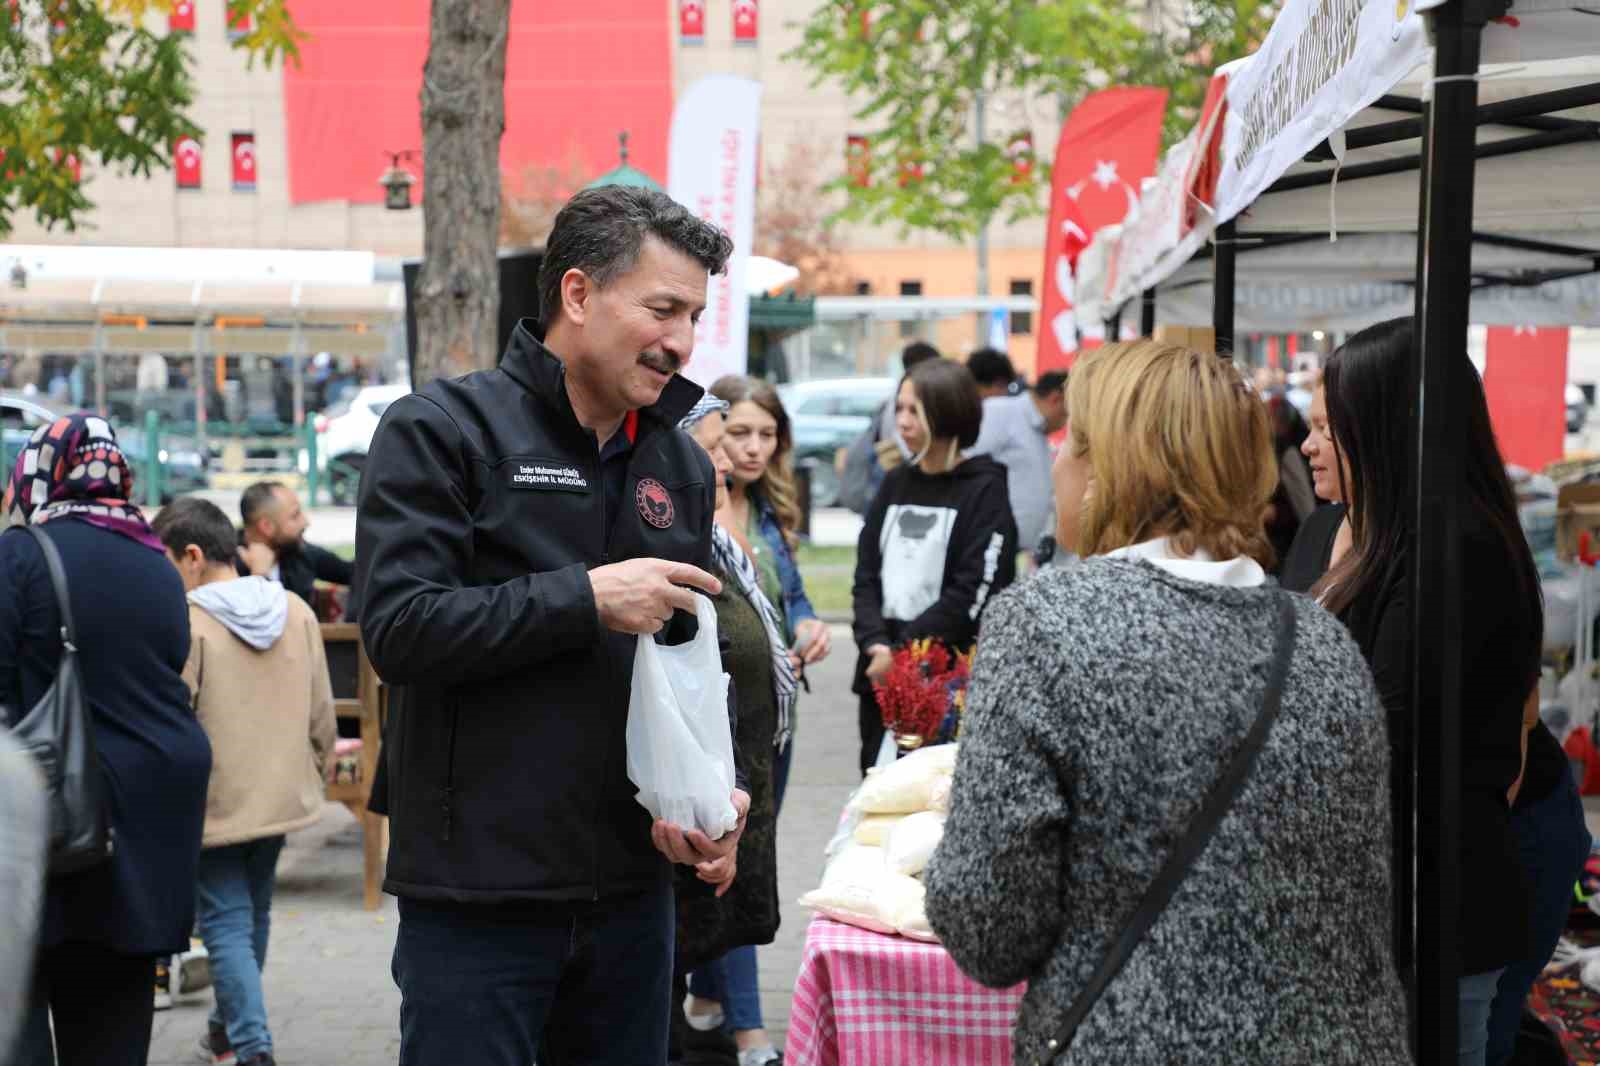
[[871, 720], [102, 1004]]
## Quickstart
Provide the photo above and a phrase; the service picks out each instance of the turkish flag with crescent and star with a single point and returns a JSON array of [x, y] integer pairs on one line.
[[186, 162], [746, 20], [1108, 146], [181, 20], [244, 162], [691, 21]]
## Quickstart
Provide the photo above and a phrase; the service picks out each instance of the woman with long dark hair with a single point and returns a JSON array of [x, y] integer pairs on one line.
[[1368, 395]]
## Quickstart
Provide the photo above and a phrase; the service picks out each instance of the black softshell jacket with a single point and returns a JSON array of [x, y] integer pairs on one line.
[[481, 513]]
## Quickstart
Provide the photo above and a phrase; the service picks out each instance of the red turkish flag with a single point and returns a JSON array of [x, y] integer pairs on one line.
[[186, 162], [1019, 149], [1525, 380], [746, 20], [182, 18], [858, 160], [692, 20], [72, 164], [1108, 146], [238, 24], [244, 162]]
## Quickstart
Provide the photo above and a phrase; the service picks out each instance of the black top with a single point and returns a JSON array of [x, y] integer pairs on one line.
[[481, 515], [933, 550], [1312, 549], [133, 639], [1500, 654]]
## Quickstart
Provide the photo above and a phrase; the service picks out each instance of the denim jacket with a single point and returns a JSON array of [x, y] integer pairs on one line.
[[796, 606]]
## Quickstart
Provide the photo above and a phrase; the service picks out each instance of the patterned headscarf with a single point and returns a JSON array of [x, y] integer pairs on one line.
[[74, 468]]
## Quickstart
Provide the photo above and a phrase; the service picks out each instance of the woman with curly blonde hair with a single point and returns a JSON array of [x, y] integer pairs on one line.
[[1107, 701]]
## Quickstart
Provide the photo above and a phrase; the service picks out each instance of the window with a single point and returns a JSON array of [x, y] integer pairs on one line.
[[863, 288], [1021, 321], [908, 326], [860, 404]]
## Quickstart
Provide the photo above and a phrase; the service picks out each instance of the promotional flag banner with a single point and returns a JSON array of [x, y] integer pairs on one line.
[[1108, 146], [1525, 380], [711, 170]]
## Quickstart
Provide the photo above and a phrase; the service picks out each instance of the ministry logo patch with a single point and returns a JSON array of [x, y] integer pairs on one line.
[[654, 503]]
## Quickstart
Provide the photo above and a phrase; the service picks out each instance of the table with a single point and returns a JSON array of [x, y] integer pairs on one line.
[[866, 999]]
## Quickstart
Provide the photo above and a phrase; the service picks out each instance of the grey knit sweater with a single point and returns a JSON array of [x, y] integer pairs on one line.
[[1106, 700]]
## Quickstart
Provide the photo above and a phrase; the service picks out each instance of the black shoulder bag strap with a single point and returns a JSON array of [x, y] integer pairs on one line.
[[58, 581], [1194, 842]]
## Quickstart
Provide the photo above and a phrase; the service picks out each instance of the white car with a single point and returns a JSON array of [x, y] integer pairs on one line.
[[344, 435]]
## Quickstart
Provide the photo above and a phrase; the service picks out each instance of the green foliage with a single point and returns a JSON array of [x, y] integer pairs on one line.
[[102, 82], [918, 66]]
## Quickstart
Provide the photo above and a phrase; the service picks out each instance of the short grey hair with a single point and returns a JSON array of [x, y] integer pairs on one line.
[[601, 230]]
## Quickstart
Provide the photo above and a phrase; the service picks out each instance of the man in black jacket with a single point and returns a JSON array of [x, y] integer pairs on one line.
[[273, 543], [518, 529]]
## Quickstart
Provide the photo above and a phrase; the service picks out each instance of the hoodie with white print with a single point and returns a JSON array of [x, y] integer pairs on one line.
[[258, 677]]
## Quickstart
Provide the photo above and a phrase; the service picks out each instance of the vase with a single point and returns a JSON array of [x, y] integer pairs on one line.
[[906, 743]]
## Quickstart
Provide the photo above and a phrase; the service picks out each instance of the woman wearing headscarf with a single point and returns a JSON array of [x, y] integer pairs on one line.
[[104, 926], [717, 933]]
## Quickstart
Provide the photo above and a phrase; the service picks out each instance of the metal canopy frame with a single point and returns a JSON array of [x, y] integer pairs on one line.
[[1447, 161]]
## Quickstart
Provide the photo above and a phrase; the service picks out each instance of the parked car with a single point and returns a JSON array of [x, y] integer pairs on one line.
[[827, 415], [185, 467], [1577, 409], [344, 433]]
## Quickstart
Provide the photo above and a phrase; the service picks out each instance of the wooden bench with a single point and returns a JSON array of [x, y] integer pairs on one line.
[[360, 695]]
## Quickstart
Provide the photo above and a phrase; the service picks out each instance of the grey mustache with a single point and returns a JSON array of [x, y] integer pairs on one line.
[[666, 364]]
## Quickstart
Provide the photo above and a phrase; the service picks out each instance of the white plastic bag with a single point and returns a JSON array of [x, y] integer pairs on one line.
[[680, 749]]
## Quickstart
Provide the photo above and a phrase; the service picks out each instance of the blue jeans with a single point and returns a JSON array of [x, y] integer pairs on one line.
[[569, 983], [1476, 996], [1553, 841], [234, 915], [732, 981]]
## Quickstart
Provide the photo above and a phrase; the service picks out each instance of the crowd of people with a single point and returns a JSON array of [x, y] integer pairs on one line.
[[1148, 600]]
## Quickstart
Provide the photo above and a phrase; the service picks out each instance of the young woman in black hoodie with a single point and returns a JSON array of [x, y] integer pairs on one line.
[[939, 538]]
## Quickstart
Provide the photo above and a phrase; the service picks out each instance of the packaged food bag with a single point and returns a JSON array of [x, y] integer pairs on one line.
[[680, 749], [859, 889], [911, 842], [906, 785], [873, 829]]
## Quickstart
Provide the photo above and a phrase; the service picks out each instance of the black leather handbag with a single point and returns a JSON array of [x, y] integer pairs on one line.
[[58, 732], [1201, 830]]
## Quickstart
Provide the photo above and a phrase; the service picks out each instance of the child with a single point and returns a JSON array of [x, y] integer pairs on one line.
[[259, 681]]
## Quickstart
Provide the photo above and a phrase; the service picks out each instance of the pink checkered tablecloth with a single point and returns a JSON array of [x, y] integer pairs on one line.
[[865, 999]]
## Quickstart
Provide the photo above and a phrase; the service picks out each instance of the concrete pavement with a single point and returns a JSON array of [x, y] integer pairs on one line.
[[330, 998]]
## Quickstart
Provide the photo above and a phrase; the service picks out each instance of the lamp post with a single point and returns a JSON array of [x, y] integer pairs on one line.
[[397, 181]]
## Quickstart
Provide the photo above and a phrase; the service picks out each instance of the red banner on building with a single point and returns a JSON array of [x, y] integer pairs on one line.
[[1525, 379], [244, 162], [186, 162], [746, 21], [691, 21], [181, 20], [858, 160], [238, 24], [1108, 146]]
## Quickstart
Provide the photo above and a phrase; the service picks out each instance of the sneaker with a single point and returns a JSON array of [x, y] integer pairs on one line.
[[191, 970], [163, 988], [214, 1046], [765, 1055], [703, 1023]]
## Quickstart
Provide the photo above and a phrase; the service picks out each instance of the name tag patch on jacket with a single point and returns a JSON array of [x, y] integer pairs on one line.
[[549, 476]]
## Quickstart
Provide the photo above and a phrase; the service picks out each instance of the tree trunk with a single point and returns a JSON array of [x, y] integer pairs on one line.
[[463, 117]]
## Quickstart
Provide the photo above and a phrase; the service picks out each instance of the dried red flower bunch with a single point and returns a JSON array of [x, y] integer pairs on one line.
[[924, 691]]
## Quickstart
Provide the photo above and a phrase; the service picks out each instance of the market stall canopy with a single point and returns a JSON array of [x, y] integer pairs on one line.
[[1337, 88], [1294, 283]]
